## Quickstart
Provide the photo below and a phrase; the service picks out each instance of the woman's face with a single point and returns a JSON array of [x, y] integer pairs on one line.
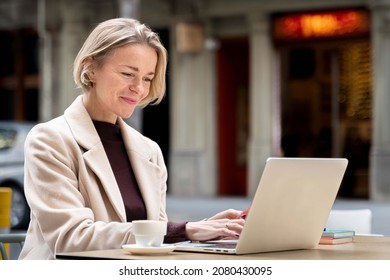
[[121, 82]]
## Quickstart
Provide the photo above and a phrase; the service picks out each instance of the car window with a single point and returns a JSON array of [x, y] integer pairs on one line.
[[7, 138]]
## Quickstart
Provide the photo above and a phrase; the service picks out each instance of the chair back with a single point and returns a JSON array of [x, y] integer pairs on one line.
[[359, 220], [7, 239]]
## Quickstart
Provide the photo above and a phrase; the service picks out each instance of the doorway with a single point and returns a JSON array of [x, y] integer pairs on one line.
[[19, 75], [326, 106], [232, 100]]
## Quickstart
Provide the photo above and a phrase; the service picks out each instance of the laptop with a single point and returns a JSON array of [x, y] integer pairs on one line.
[[289, 209]]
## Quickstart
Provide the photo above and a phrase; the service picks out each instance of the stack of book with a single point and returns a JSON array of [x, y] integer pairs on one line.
[[330, 236]]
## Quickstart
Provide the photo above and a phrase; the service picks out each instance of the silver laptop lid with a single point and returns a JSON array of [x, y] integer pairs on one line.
[[292, 203]]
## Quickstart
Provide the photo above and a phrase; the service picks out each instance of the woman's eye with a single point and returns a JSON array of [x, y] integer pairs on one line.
[[127, 74]]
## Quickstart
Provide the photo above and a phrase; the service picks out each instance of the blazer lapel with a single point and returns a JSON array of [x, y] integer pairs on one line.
[[95, 156], [97, 160]]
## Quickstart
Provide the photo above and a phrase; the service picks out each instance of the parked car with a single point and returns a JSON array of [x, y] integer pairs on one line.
[[12, 137]]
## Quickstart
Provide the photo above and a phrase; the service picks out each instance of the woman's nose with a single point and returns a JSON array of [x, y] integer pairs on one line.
[[136, 85]]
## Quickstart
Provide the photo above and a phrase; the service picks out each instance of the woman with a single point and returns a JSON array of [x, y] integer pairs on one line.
[[88, 175]]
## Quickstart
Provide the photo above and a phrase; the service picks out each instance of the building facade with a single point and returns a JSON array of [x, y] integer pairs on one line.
[[234, 92]]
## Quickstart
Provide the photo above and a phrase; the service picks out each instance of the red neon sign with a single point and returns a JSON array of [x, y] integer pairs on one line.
[[322, 24]]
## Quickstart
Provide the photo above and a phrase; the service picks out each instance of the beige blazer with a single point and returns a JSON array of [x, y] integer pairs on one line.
[[75, 201]]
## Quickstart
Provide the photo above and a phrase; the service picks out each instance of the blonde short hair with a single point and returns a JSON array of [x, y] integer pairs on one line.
[[115, 33]]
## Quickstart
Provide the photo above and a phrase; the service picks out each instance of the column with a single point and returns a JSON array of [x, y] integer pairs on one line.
[[260, 99], [77, 15], [49, 32], [193, 128], [380, 150]]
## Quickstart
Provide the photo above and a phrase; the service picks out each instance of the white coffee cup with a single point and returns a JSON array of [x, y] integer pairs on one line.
[[149, 233]]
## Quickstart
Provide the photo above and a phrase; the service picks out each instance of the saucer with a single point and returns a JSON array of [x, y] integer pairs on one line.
[[141, 250]]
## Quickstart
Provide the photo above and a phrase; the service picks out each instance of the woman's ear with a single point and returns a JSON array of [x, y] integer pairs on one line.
[[90, 66]]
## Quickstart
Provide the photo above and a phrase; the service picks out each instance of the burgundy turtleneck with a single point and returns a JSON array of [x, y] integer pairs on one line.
[[114, 146]]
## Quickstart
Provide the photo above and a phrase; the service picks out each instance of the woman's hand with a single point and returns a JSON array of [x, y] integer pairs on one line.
[[227, 214], [222, 225]]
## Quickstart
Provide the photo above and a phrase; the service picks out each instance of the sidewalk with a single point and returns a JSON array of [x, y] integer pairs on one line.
[[197, 208]]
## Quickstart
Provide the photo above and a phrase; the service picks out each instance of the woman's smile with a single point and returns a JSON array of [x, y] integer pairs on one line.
[[129, 100]]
